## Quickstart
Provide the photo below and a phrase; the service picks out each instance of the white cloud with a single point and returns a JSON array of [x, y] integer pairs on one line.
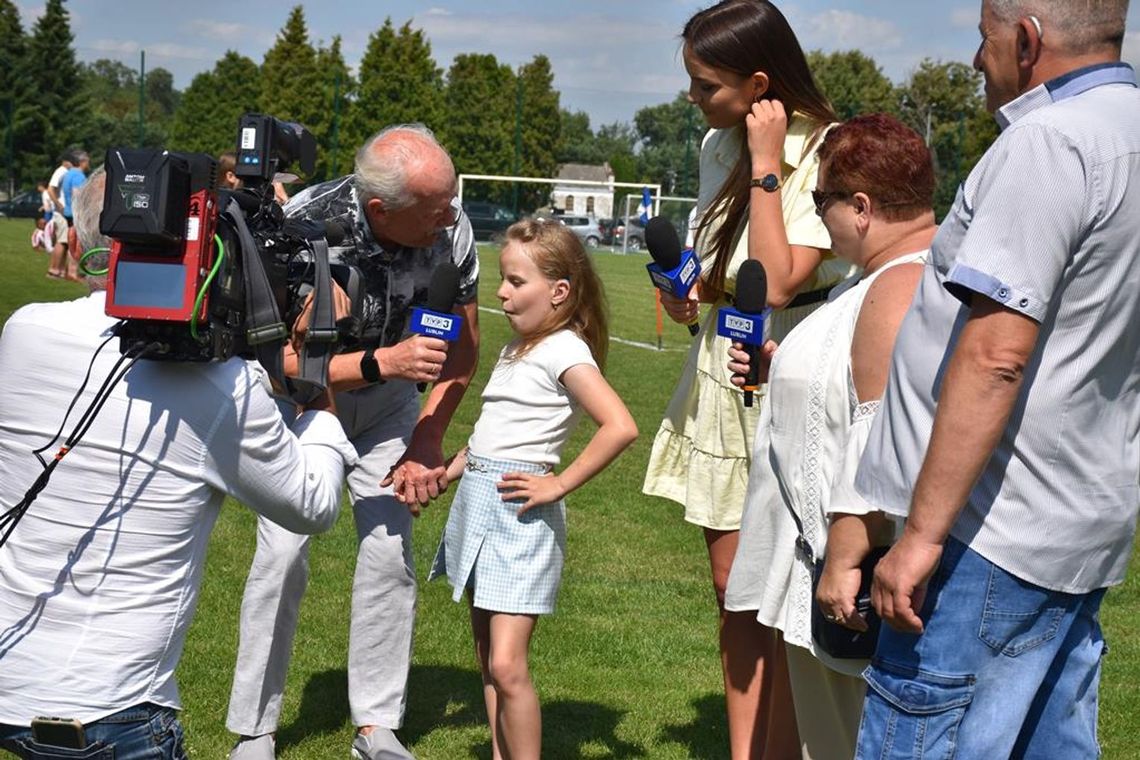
[[29, 14], [232, 33], [115, 46], [438, 12], [159, 49], [589, 53], [840, 30], [220, 30]]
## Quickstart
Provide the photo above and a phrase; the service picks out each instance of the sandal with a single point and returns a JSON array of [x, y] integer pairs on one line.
[[54, 275]]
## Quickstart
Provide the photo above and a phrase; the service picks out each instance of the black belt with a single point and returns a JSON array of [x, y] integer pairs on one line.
[[809, 297]]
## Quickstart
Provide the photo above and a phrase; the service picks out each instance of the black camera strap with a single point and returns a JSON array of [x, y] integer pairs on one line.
[[266, 332], [313, 360]]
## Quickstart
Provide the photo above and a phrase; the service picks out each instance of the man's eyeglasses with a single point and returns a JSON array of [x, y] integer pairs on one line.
[[822, 197]]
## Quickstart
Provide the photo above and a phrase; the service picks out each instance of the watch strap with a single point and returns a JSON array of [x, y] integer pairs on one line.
[[369, 367], [769, 183]]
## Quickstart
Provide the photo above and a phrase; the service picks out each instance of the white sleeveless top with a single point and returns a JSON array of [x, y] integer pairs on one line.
[[810, 437]]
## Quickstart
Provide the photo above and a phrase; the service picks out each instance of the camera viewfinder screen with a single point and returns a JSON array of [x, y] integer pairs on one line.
[[146, 284]]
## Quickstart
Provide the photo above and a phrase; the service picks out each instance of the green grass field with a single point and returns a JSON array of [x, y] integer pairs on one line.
[[626, 668]]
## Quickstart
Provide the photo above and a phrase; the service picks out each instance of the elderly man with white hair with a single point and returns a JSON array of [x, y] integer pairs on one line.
[[405, 220], [1009, 434]]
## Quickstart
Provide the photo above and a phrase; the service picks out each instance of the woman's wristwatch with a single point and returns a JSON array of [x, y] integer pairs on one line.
[[769, 183]]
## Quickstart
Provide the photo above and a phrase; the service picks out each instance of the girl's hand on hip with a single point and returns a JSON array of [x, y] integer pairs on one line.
[[767, 126], [536, 489]]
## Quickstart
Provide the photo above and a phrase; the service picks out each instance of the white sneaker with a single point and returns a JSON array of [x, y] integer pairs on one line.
[[381, 744], [254, 748]]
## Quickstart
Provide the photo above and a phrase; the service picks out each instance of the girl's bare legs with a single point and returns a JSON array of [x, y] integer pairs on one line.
[[502, 644], [481, 632], [758, 694]]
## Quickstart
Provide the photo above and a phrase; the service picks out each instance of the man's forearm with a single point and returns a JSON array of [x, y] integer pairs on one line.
[[457, 373], [981, 387]]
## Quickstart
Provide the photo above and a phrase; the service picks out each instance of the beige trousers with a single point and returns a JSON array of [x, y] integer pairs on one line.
[[828, 706]]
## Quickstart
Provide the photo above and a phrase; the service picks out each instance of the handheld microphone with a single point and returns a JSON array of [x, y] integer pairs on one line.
[[435, 318], [747, 321], [672, 270]]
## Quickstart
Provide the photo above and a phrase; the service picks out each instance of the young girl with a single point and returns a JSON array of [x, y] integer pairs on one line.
[[506, 533]]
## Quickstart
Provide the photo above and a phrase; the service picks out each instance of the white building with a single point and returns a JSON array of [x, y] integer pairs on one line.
[[596, 198]]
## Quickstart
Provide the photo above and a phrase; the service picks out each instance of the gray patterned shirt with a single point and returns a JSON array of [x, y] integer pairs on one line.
[[395, 279], [1047, 224]]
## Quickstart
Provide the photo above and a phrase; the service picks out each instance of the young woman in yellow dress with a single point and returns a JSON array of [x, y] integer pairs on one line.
[[758, 167]]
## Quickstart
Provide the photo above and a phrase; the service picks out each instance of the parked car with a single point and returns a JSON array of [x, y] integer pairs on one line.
[[636, 234], [585, 227], [488, 219], [26, 204]]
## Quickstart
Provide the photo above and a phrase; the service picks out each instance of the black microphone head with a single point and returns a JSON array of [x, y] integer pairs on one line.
[[751, 288], [335, 232], [663, 244], [443, 288]]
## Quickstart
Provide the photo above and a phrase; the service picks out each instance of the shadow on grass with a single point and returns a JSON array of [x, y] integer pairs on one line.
[[448, 696], [568, 727], [442, 696], [706, 735], [323, 710]]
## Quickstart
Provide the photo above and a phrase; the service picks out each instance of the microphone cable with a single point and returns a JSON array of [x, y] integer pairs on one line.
[[11, 517]]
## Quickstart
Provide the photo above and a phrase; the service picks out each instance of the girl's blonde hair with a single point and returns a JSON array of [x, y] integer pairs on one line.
[[560, 255]]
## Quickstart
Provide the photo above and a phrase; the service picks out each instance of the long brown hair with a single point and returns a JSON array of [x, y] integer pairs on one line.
[[746, 36], [560, 255]]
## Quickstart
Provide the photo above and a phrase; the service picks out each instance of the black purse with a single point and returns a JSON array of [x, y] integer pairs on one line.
[[838, 640]]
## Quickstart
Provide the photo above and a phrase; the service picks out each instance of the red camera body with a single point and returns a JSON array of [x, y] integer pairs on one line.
[[162, 283]]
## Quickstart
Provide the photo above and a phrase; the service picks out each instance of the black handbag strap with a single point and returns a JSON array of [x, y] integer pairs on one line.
[[802, 544]]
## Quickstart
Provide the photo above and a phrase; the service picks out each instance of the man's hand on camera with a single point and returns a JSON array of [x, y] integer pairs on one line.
[[342, 307], [419, 358]]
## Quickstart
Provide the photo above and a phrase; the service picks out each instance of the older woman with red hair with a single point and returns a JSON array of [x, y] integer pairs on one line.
[[873, 193]]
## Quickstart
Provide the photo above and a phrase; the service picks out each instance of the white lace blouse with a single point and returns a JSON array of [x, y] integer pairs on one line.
[[810, 437]]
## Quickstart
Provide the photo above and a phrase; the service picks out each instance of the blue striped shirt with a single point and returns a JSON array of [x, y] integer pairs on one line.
[[1047, 224]]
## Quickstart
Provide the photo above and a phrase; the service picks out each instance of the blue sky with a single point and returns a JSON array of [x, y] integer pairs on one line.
[[609, 57]]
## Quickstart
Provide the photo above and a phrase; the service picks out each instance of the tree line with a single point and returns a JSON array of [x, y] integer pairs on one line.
[[493, 118]]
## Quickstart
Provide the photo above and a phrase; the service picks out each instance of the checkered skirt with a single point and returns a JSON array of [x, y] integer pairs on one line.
[[512, 562]]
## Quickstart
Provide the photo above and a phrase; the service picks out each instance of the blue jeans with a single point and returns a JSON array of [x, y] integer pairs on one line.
[[144, 732], [1004, 669]]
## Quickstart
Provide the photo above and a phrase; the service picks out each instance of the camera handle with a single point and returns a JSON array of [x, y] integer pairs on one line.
[[321, 337]]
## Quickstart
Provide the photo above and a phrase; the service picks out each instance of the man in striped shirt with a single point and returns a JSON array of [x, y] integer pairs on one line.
[[1009, 429]]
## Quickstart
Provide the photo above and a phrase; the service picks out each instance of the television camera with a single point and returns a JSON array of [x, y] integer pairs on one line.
[[198, 274]]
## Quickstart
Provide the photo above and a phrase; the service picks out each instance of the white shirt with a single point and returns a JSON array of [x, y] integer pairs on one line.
[[812, 431], [56, 181], [1047, 224], [527, 413], [99, 581]]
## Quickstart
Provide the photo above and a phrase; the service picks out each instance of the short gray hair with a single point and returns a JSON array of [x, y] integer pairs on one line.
[[1079, 26], [382, 170], [86, 206]]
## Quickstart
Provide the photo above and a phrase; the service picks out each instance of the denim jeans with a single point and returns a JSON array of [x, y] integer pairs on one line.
[[1004, 668], [144, 732]]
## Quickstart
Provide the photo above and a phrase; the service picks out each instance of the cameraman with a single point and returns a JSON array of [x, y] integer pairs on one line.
[[405, 220], [99, 581]]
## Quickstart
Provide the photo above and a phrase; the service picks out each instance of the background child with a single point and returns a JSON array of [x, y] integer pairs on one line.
[[41, 236], [506, 533]]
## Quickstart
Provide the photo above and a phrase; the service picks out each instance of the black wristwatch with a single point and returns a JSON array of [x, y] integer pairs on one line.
[[369, 367], [769, 183]]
